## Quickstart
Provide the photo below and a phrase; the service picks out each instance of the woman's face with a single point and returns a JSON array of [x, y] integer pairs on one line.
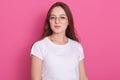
[[58, 20]]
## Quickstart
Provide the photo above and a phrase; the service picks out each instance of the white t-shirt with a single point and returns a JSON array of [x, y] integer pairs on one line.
[[60, 62]]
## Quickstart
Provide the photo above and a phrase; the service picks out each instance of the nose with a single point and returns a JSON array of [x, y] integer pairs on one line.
[[57, 20]]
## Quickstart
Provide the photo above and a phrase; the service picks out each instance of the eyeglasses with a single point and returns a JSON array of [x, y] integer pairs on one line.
[[54, 18]]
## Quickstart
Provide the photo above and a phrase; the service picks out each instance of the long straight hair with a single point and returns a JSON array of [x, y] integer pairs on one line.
[[70, 31]]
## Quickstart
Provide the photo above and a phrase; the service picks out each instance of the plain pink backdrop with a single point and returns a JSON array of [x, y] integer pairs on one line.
[[97, 23]]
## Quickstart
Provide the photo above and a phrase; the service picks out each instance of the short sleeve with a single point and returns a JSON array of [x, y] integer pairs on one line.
[[81, 54], [37, 50]]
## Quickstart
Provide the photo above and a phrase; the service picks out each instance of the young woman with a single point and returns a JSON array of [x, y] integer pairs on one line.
[[58, 55]]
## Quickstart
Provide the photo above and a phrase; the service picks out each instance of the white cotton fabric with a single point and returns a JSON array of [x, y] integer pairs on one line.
[[60, 61]]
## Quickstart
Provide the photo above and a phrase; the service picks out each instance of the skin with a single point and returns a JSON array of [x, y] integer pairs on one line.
[[58, 23], [58, 26]]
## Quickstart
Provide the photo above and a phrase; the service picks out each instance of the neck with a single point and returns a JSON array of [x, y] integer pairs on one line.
[[58, 39]]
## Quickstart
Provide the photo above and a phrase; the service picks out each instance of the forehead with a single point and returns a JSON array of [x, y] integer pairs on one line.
[[58, 11]]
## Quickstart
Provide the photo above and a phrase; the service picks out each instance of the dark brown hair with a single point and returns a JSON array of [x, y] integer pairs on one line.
[[70, 31]]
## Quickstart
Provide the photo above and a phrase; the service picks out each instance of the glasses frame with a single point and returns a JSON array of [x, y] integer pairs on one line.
[[60, 18]]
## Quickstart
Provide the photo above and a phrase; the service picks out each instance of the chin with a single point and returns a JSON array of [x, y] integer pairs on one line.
[[58, 32]]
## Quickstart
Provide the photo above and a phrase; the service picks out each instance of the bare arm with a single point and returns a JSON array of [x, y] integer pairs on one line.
[[82, 71], [36, 68]]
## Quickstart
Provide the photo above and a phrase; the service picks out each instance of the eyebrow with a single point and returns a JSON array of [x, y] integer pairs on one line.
[[60, 15]]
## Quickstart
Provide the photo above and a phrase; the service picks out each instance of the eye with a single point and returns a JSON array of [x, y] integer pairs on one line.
[[62, 17], [52, 17]]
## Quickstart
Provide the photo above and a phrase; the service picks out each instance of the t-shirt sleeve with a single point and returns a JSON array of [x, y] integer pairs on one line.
[[37, 50], [81, 54]]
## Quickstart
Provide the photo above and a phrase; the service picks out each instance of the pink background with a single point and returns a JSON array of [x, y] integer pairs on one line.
[[97, 23]]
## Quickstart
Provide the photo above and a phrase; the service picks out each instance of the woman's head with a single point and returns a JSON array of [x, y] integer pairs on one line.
[[58, 21], [59, 15]]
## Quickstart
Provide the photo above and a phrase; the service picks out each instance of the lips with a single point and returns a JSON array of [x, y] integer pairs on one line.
[[57, 26]]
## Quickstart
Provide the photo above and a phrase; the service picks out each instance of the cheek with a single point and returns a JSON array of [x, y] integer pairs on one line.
[[65, 24], [51, 25]]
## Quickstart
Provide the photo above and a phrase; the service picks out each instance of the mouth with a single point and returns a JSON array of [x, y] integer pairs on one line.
[[57, 26]]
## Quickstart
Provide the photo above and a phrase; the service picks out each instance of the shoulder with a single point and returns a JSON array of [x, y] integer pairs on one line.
[[38, 48], [77, 48], [76, 45], [40, 42]]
